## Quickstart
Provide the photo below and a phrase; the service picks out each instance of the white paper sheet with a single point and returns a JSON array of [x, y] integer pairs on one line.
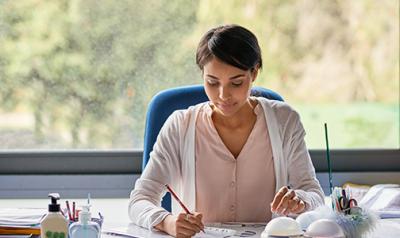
[[211, 231], [21, 216]]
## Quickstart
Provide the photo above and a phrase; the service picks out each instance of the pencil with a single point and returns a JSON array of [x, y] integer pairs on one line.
[[329, 161], [69, 210], [328, 158], [73, 211], [180, 202], [177, 199]]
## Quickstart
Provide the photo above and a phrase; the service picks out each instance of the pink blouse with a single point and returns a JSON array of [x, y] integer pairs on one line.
[[229, 189]]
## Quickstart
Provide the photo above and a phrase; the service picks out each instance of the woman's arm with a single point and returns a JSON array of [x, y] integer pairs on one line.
[[301, 172], [163, 167]]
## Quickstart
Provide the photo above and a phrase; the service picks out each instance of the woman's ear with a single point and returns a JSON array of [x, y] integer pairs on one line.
[[254, 73]]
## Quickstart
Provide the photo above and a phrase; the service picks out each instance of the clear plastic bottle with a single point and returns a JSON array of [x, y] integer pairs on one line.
[[84, 228]]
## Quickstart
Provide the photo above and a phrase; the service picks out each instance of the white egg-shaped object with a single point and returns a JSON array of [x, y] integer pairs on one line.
[[282, 226], [306, 218], [324, 228]]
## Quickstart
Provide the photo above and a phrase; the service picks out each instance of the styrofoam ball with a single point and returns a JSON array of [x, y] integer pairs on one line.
[[324, 228], [306, 218], [282, 226]]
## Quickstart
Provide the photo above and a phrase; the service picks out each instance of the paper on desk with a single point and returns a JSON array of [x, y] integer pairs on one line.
[[21, 216], [384, 199], [211, 231], [133, 231], [242, 229], [15, 236]]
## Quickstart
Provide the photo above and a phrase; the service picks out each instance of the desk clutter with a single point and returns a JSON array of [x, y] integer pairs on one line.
[[383, 199], [53, 222], [345, 218], [323, 222], [21, 221], [373, 202]]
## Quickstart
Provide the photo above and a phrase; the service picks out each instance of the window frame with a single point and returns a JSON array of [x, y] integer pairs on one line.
[[34, 174], [26, 162]]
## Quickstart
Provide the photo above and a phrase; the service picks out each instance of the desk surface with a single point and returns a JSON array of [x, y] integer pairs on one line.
[[115, 212]]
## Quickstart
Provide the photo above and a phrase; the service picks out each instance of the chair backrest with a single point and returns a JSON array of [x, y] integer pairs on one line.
[[166, 102]]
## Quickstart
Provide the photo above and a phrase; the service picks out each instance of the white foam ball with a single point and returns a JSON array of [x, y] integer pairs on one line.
[[324, 228], [306, 218], [282, 226]]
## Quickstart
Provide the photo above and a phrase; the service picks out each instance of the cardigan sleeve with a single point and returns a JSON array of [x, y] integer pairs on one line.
[[163, 168], [301, 172]]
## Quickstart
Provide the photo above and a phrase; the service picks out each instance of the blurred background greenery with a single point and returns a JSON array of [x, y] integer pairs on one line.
[[78, 74]]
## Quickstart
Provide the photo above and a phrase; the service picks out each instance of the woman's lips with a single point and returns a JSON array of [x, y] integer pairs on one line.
[[225, 106]]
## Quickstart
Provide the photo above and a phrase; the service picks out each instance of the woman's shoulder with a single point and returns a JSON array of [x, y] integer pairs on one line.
[[280, 108], [182, 117], [287, 119]]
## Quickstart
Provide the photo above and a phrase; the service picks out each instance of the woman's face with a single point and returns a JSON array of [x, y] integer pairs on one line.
[[227, 87]]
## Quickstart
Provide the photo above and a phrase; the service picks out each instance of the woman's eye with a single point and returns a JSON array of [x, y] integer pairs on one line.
[[237, 84], [212, 83]]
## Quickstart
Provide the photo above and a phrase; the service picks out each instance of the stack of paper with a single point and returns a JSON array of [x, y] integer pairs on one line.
[[384, 199], [21, 221]]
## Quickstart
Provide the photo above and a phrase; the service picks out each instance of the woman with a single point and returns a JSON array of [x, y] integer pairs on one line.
[[229, 159]]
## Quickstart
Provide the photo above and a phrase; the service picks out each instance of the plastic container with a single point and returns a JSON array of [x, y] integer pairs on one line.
[[85, 227], [54, 224]]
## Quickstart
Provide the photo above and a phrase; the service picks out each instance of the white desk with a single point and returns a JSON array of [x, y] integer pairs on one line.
[[115, 212], [387, 228]]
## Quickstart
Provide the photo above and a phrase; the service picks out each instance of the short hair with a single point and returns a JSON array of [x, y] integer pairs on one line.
[[232, 44]]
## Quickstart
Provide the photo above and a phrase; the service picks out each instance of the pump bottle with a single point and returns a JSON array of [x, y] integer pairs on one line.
[[54, 224], [84, 228]]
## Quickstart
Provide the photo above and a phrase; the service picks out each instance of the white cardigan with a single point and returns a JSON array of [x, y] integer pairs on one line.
[[172, 161]]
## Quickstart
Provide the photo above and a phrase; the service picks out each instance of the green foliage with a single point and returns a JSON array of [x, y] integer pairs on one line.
[[82, 65], [356, 125], [86, 70]]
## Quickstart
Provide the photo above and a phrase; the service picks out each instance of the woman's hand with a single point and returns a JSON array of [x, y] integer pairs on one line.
[[286, 201], [183, 225]]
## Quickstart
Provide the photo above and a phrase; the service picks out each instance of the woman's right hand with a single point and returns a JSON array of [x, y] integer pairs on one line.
[[183, 225]]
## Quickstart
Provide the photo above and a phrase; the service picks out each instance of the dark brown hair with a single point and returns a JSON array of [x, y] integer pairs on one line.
[[232, 44]]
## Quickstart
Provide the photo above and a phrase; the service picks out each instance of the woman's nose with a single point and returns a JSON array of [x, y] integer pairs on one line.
[[224, 93]]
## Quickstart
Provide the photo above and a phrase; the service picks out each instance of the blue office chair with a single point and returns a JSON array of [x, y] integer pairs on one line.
[[166, 102]]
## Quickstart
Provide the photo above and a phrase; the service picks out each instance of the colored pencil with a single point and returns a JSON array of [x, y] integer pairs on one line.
[[177, 199], [73, 211], [69, 210], [329, 162]]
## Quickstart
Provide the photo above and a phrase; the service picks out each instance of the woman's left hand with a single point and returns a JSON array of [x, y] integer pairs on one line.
[[286, 201]]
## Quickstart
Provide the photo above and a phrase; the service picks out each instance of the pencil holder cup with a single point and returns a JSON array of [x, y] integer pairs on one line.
[[98, 221]]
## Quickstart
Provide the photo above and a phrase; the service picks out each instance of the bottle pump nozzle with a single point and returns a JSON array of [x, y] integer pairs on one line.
[[53, 206], [85, 215]]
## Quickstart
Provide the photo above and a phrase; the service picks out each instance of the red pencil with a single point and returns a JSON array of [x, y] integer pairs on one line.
[[69, 211], [180, 202], [73, 211], [177, 199]]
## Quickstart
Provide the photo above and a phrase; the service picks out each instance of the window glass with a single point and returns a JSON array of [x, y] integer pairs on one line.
[[79, 74]]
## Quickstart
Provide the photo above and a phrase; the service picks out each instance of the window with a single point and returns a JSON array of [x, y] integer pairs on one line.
[[79, 74]]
